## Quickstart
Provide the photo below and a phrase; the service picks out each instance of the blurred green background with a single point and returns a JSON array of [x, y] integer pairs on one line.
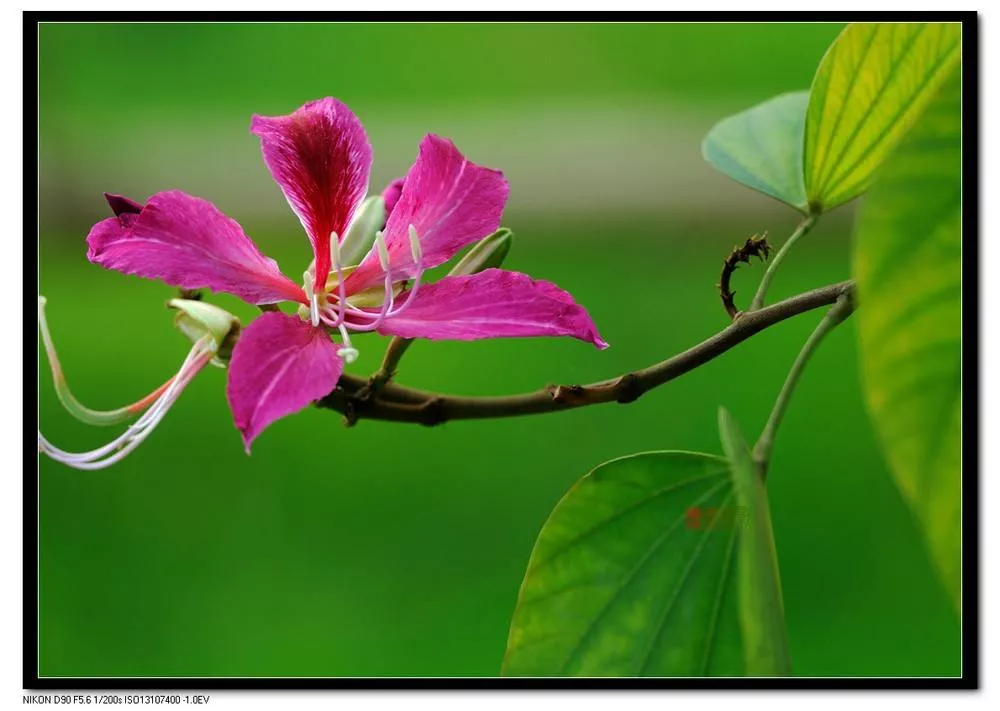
[[398, 550]]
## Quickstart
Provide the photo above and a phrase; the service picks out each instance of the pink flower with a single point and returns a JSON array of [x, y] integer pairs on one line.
[[320, 157]]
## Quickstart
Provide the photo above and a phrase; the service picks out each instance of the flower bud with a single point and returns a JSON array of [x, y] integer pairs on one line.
[[196, 319], [393, 191], [488, 253], [360, 236]]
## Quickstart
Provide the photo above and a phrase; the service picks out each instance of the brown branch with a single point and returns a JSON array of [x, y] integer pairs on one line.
[[402, 404]]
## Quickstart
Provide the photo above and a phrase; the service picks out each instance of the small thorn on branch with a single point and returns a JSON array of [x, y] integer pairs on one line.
[[755, 246]]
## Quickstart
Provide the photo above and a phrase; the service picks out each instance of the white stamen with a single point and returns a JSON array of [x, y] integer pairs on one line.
[[307, 285], [121, 446], [389, 307], [348, 352], [314, 309], [415, 249], [383, 251], [341, 287]]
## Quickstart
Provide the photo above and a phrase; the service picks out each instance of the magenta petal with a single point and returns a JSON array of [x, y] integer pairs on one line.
[[320, 157], [187, 242], [280, 365], [107, 231], [391, 194], [492, 304], [450, 201], [103, 234]]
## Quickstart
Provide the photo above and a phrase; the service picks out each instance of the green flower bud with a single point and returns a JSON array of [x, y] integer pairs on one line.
[[360, 235], [488, 253], [196, 319]]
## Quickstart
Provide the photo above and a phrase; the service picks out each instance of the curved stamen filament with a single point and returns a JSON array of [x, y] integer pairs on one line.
[[389, 307], [383, 259], [69, 401], [121, 446], [418, 261], [153, 414]]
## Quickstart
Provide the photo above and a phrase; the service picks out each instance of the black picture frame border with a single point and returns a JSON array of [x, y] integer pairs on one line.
[[969, 680]]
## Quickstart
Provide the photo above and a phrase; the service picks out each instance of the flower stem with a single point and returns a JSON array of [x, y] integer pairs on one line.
[[390, 362], [765, 282], [843, 308]]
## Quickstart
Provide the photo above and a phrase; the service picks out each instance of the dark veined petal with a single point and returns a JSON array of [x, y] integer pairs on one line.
[[187, 242], [494, 303], [450, 201], [320, 157], [280, 365]]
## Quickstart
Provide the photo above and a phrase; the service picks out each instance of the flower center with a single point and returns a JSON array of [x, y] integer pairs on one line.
[[335, 309]]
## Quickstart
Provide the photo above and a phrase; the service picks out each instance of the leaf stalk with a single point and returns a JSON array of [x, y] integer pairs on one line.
[[772, 268], [839, 312]]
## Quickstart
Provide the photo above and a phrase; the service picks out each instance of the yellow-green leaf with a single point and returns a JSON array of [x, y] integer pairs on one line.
[[908, 265], [871, 87]]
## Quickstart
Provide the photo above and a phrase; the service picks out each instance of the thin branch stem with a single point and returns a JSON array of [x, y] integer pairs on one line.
[[772, 268], [393, 353], [843, 308], [390, 363], [401, 404]]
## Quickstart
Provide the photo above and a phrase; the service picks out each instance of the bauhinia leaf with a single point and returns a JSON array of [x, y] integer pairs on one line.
[[636, 573], [871, 87], [762, 612], [762, 147], [908, 265], [627, 579]]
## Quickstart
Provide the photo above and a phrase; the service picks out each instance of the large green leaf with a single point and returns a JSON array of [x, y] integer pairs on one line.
[[908, 265], [871, 87], [762, 147], [636, 574], [762, 612]]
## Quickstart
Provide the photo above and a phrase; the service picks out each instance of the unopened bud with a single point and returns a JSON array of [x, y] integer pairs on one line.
[[393, 191], [488, 253], [360, 236], [335, 251]]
